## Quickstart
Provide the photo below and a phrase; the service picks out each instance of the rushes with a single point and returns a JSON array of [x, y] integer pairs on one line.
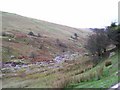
[[62, 81], [78, 77]]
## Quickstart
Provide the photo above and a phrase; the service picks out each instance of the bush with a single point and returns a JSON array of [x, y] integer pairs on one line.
[[108, 63], [113, 32], [31, 33], [75, 36], [97, 42], [7, 34]]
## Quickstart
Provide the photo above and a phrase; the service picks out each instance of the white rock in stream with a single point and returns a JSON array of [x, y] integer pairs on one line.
[[58, 59], [17, 67]]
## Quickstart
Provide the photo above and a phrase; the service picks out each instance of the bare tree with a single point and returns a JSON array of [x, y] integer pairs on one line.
[[113, 32], [98, 42]]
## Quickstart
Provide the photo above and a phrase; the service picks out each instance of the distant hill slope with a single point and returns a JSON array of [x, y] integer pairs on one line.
[[24, 24], [50, 33]]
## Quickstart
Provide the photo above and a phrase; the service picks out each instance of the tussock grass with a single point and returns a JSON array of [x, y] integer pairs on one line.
[[99, 76], [108, 63]]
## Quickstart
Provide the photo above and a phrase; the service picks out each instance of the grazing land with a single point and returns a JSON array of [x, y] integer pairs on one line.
[[40, 54]]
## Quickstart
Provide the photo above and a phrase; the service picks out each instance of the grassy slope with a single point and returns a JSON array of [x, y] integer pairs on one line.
[[13, 22], [108, 78], [41, 79], [17, 24]]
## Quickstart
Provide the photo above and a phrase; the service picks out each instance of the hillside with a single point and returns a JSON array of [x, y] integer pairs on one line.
[[54, 39], [33, 49], [40, 54]]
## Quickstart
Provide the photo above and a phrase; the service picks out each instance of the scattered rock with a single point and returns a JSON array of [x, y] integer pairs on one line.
[[12, 57], [111, 54], [118, 73]]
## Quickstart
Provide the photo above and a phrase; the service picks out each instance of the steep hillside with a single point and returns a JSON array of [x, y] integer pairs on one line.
[[49, 39]]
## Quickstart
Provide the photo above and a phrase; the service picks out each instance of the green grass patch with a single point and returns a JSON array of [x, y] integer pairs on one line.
[[107, 78]]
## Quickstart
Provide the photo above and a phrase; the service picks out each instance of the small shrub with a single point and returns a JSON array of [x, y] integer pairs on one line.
[[75, 36], [6, 34], [31, 33], [108, 63]]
